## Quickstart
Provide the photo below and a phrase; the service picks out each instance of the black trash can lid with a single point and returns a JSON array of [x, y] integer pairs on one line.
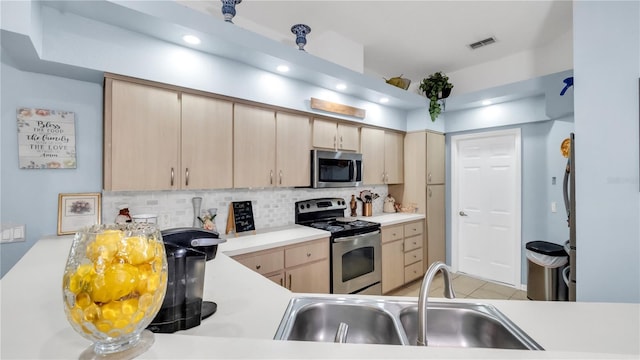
[[546, 248]]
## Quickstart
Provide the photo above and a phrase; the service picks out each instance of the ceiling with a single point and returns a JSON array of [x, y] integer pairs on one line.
[[414, 38]]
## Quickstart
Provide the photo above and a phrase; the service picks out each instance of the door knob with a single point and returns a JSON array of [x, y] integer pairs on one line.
[[462, 213]]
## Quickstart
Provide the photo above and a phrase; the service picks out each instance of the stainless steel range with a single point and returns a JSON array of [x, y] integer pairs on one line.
[[356, 250]]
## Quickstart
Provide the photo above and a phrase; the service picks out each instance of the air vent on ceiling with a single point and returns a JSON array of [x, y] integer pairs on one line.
[[481, 43]]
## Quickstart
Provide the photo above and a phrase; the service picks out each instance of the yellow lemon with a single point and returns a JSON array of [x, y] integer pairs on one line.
[[81, 280], [104, 326], [83, 300], [129, 306], [111, 310], [92, 313], [105, 246], [136, 250], [117, 281], [145, 301]]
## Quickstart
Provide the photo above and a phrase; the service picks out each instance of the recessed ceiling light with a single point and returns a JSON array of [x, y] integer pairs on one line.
[[191, 39], [384, 100], [341, 87], [486, 102], [282, 68]]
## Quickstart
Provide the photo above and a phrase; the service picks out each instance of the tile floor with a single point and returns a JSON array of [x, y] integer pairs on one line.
[[465, 286]]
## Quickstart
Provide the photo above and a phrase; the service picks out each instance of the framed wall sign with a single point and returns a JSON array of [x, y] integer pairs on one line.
[[76, 211], [46, 139]]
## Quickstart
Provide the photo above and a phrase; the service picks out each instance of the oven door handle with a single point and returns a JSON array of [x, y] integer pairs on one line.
[[356, 237]]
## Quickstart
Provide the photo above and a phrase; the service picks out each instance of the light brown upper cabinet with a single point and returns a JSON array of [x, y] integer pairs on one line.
[[394, 157], [207, 125], [161, 139], [382, 156], [335, 136], [269, 149], [141, 141], [293, 150]]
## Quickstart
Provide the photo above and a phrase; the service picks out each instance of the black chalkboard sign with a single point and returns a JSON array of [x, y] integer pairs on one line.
[[241, 217]]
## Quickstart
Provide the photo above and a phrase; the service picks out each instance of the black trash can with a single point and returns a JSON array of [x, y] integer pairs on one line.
[[545, 264]]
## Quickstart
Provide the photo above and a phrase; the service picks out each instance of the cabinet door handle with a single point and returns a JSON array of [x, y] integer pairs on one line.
[[172, 176], [309, 254], [271, 177], [341, 141], [429, 178], [280, 177], [186, 173], [258, 267], [335, 143], [282, 281], [290, 281], [430, 192]]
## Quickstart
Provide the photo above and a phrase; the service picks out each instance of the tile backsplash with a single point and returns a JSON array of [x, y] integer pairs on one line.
[[272, 207]]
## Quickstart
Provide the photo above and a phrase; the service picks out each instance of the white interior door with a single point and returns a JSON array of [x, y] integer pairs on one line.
[[486, 205]]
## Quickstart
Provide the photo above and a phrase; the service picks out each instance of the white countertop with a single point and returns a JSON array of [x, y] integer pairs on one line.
[[386, 219], [267, 240], [250, 308]]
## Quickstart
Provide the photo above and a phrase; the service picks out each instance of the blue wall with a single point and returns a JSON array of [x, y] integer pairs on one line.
[[541, 160], [31, 196], [607, 138]]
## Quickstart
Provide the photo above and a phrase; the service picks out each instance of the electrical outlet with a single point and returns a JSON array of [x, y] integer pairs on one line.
[[165, 220], [554, 207], [18, 232], [13, 233]]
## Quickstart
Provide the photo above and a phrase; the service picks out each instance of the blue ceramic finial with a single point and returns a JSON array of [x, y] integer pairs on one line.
[[229, 9], [301, 31]]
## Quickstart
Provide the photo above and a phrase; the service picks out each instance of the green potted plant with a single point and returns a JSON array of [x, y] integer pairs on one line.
[[436, 87]]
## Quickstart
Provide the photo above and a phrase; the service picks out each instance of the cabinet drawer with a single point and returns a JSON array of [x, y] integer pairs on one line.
[[413, 271], [412, 256], [414, 228], [412, 243], [263, 263], [308, 252], [390, 233]]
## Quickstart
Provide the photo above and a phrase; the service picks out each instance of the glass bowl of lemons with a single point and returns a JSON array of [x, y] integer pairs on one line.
[[113, 286]]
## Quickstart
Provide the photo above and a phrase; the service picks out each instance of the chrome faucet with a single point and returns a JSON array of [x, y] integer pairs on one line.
[[424, 292]]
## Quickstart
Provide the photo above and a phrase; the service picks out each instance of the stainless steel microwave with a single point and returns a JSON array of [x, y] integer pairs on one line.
[[335, 169]]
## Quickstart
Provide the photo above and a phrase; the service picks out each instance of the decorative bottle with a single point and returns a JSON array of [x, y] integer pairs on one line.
[[197, 203]]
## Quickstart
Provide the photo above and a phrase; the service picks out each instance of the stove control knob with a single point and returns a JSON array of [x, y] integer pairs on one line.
[[301, 207], [308, 206]]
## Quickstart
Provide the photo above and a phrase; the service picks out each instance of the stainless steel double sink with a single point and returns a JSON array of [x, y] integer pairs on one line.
[[395, 322]]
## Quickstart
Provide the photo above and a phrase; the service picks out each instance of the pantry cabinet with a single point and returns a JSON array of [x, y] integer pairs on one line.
[[424, 185], [302, 268], [383, 156], [435, 158], [333, 135], [260, 160], [402, 254], [154, 138]]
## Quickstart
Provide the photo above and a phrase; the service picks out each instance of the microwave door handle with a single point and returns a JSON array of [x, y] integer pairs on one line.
[[354, 165]]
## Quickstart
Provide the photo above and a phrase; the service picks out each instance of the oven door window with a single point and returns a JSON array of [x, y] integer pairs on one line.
[[335, 170], [357, 262]]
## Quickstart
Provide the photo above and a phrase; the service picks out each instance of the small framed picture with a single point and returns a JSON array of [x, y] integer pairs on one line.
[[76, 211]]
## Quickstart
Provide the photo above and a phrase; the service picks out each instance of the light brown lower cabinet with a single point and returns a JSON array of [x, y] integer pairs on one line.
[[402, 254], [301, 268]]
